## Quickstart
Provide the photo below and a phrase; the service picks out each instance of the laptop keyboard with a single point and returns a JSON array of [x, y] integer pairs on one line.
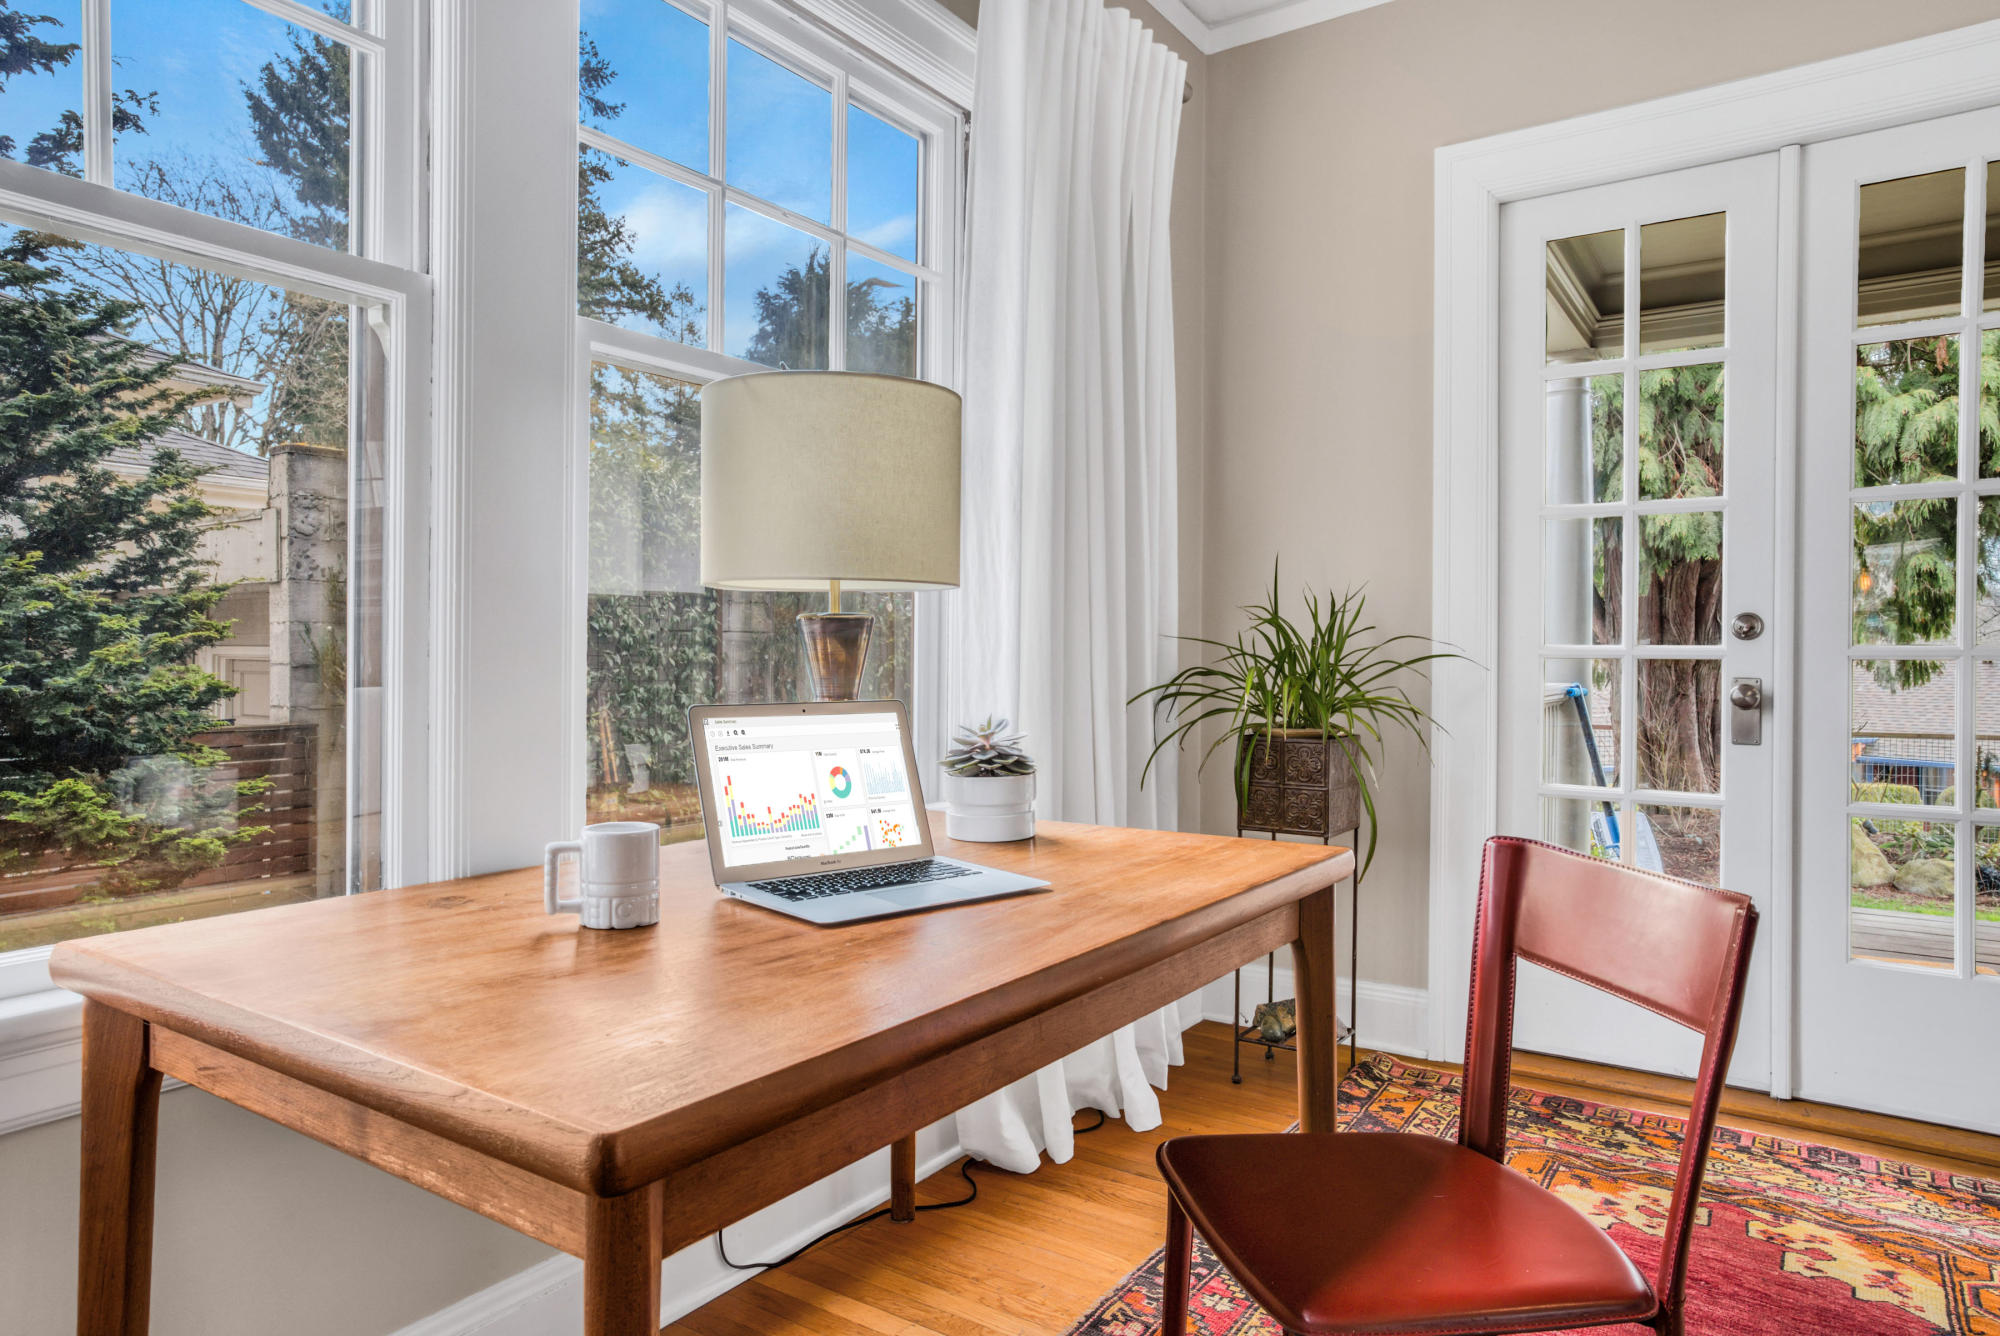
[[817, 885]]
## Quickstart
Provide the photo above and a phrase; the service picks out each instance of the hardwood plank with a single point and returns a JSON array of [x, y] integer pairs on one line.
[[517, 1199], [589, 1058], [121, 1123]]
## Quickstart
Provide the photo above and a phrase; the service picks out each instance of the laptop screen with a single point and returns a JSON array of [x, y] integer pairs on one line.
[[808, 786]]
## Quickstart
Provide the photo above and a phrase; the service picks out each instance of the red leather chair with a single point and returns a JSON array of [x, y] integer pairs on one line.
[[1383, 1233]]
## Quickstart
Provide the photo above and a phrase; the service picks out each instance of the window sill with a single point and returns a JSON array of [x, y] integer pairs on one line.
[[41, 1057]]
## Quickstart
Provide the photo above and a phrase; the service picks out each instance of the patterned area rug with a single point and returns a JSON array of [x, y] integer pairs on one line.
[[1792, 1238]]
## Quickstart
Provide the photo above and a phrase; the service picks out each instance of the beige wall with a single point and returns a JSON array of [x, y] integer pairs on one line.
[[1320, 147], [258, 1231]]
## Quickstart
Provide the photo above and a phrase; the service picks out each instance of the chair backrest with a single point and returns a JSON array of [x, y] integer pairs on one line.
[[1671, 946]]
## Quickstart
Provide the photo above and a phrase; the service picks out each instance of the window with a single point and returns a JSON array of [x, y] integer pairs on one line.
[[750, 195], [199, 551]]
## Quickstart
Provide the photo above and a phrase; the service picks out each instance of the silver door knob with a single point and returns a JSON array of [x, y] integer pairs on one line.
[[1747, 694], [1747, 626]]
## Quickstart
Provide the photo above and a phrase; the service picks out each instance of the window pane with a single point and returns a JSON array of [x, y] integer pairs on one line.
[[642, 249], [657, 641], [1586, 297], [776, 293], [1681, 277], [881, 184], [1986, 597], [1580, 707], [1912, 247], [1992, 237], [1905, 571], [1586, 422], [780, 134], [1903, 720], [41, 88], [1588, 827], [881, 318], [1680, 725], [1902, 898], [1905, 411], [238, 114], [213, 775], [1680, 579], [1680, 432], [643, 76], [1582, 561], [1686, 841], [1989, 404]]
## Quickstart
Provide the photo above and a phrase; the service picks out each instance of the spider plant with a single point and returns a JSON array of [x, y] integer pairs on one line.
[[1327, 673]]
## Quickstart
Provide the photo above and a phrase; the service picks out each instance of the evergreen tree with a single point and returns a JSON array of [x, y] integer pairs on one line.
[[24, 51], [104, 598], [299, 111]]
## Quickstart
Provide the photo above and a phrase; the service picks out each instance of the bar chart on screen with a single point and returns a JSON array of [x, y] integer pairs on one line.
[[757, 809]]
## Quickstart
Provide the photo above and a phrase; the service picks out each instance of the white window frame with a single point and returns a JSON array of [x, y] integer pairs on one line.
[[1910, 81], [40, 1023], [853, 76]]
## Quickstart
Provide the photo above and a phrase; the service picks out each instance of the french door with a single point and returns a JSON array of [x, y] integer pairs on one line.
[[1899, 776], [1638, 568]]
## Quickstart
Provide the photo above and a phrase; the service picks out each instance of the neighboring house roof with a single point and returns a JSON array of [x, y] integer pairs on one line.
[[192, 375], [1925, 711], [223, 463]]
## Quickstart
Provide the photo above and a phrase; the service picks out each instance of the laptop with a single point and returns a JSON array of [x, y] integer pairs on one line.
[[815, 811]]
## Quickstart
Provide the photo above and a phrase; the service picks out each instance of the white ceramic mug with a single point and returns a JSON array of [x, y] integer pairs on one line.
[[618, 873]]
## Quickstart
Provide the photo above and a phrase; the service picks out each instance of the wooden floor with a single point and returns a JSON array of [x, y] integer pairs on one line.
[[1037, 1250]]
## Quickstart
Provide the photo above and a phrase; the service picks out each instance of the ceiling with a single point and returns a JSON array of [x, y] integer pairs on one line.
[[1217, 25]]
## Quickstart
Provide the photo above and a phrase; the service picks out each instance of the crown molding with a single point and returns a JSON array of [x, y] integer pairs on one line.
[[1282, 17]]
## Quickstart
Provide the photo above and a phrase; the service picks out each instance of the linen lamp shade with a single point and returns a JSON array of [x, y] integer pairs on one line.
[[811, 477]]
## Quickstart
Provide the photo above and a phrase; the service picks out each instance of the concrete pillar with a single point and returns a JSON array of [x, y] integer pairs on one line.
[[309, 631]]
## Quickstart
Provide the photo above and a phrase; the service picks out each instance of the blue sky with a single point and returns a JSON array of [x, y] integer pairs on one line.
[[780, 147]]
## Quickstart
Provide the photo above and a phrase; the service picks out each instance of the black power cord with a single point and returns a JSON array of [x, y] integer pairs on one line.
[[972, 1195]]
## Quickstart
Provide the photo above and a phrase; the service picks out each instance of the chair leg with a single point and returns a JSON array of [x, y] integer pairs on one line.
[[1179, 1268]]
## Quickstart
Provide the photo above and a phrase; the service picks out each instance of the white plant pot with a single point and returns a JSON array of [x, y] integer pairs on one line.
[[989, 809]]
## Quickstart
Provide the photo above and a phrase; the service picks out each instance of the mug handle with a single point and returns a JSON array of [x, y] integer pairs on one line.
[[551, 858]]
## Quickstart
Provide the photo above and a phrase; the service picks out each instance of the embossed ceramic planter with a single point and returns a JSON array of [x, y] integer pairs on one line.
[[1301, 783]]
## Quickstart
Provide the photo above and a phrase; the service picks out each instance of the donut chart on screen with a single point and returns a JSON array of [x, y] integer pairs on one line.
[[838, 783]]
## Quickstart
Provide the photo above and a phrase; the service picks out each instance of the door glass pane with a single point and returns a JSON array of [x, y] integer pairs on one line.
[[1905, 572], [1911, 247], [1588, 827], [191, 661], [1986, 598], [1582, 584], [1992, 236], [882, 165], [780, 134], [1989, 403], [881, 318], [1681, 277], [1905, 412], [1986, 740], [1903, 736], [246, 117], [1680, 578], [1687, 840], [1680, 432], [643, 77], [41, 88], [656, 640], [1986, 900], [1586, 297], [641, 249], [775, 291], [1680, 725], [1580, 705], [1902, 877], [1586, 440]]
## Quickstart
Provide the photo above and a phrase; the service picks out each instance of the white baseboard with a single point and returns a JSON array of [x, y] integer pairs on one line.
[[547, 1298], [1394, 1019]]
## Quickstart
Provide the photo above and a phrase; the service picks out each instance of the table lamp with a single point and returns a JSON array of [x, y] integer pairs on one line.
[[829, 480]]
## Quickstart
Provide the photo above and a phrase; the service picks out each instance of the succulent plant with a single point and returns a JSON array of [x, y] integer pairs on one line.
[[987, 750]]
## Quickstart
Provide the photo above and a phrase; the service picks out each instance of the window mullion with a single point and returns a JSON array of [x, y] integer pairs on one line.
[[718, 163], [97, 82], [836, 260]]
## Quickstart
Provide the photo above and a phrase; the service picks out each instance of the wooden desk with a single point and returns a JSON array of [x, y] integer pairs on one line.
[[569, 1083]]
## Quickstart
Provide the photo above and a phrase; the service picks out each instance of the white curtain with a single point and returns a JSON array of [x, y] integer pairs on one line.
[[1069, 589]]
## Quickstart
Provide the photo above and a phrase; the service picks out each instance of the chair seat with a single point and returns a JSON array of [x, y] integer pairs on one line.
[[1387, 1232]]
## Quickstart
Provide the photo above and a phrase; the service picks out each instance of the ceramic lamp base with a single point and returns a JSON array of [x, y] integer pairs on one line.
[[836, 649]]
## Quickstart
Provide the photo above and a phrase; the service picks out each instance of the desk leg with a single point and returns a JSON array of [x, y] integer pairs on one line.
[[903, 1178], [121, 1121], [1319, 1028], [621, 1264]]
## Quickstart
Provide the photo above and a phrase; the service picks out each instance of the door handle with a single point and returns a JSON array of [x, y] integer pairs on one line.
[[1746, 719]]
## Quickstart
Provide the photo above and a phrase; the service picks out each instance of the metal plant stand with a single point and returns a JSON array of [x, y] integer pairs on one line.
[[1242, 1034]]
